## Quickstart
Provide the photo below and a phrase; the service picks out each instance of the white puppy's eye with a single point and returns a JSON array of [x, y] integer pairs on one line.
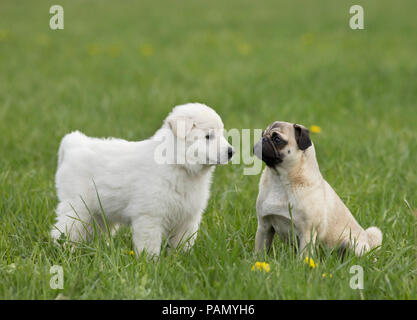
[[209, 136]]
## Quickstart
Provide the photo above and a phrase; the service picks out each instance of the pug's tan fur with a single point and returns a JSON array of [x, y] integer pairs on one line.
[[292, 179]]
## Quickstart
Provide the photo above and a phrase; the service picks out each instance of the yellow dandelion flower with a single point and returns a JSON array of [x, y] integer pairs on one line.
[[146, 50], [131, 253], [310, 262], [93, 50], [243, 48], [113, 50], [307, 39], [261, 266], [315, 129], [266, 267]]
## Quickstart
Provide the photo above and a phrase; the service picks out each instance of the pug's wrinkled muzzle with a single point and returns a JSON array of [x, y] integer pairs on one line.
[[264, 150]]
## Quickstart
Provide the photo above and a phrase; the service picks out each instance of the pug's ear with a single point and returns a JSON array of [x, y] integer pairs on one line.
[[302, 137], [181, 126]]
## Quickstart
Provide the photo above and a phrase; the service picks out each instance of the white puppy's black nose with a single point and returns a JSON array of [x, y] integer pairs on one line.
[[230, 152]]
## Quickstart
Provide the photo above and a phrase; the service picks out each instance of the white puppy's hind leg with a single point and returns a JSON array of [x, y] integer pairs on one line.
[[73, 223], [147, 235], [114, 229]]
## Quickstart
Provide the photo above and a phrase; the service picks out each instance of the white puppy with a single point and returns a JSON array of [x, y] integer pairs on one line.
[[159, 186], [292, 178]]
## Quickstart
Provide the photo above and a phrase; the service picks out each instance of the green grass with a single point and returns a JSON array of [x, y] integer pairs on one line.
[[119, 67]]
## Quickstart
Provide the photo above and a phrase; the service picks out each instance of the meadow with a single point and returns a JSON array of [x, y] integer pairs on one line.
[[119, 67]]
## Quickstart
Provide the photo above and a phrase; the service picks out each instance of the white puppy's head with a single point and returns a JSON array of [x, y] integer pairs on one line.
[[198, 132]]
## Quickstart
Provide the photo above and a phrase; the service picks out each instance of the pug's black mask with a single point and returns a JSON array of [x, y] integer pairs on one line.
[[268, 148]]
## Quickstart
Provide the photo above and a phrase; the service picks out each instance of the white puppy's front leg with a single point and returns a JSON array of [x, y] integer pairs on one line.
[[264, 237], [147, 235], [185, 236]]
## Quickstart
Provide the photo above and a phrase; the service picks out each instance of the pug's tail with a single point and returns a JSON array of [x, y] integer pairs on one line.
[[374, 237]]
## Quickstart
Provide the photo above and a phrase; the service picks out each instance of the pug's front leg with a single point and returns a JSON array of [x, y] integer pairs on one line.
[[307, 243], [264, 237]]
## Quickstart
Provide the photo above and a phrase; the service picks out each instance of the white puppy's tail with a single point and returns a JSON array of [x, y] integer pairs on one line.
[[61, 152], [374, 237], [68, 140]]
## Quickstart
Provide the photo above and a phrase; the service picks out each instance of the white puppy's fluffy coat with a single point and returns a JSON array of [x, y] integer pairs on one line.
[[130, 184]]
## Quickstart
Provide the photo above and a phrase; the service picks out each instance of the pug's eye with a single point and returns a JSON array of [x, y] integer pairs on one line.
[[276, 138]]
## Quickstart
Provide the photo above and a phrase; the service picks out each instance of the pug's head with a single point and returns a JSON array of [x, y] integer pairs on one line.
[[282, 144]]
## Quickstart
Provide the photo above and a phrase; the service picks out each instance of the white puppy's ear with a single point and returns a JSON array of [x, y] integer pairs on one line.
[[181, 126]]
